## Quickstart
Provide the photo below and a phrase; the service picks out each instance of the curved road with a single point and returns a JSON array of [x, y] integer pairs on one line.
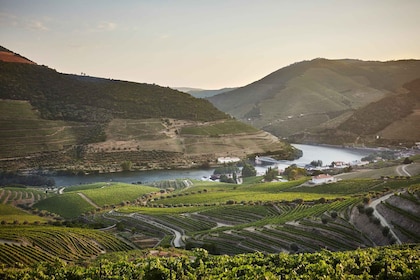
[[384, 222], [402, 170], [176, 242]]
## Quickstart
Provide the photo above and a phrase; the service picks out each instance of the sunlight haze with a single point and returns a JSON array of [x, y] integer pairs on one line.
[[204, 44]]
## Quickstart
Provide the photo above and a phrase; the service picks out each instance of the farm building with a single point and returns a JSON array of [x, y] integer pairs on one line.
[[322, 179], [228, 159]]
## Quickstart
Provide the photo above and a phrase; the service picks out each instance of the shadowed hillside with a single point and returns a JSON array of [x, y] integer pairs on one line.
[[53, 120], [310, 96], [390, 121]]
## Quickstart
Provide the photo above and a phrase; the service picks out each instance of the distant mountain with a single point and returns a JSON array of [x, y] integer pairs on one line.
[[61, 121], [309, 99], [204, 93]]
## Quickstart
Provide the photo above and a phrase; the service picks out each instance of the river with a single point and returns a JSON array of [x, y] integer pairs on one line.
[[310, 152]]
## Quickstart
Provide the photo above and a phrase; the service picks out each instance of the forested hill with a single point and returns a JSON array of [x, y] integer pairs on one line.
[[311, 96], [81, 98]]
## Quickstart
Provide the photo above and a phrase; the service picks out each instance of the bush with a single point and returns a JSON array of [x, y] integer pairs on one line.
[[294, 247], [248, 170], [375, 220], [366, 200], [385, 231], [361, 208], [369, 211]]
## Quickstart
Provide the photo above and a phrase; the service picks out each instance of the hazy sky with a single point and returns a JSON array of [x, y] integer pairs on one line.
[[205, 44]]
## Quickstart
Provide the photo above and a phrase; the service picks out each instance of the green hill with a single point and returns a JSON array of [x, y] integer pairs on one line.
[[61, 121], [310, 96]]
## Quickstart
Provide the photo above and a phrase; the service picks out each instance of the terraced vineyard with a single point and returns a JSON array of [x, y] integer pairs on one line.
[[223, 218], [396, 262], [23, 130], [232, 219], [31, 244], [404, 212], [21, 196]]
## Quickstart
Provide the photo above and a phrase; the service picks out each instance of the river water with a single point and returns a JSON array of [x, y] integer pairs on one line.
[[310, 153]]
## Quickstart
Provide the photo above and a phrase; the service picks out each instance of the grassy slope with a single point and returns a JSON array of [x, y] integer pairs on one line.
[[10, 214], [70, 204], [314, 93]]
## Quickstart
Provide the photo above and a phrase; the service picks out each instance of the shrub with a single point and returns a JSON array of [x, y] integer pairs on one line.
[[294, 247], [366, 200], [375, 220], [369, 211], [385, 231], [361, 208]]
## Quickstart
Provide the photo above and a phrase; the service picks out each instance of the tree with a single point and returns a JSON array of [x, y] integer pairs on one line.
[[270, 174], [248, 170], [293, 172], [407, 161], [316, 163]]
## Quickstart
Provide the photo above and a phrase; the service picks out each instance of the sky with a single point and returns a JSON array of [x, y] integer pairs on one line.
[[208, 44]]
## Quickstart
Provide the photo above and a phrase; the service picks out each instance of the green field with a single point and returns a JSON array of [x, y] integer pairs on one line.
[[115, 193], [68, 205], [71, 204]]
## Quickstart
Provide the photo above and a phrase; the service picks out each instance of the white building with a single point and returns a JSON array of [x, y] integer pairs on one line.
[[322, 179], [222, 160]]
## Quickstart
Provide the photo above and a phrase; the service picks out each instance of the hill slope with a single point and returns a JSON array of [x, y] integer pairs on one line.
[[55, 120], [310, 96]]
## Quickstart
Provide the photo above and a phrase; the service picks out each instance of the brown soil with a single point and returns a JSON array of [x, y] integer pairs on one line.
[[11, 57]]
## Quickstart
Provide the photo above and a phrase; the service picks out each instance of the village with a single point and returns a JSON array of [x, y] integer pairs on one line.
[[320, 173]]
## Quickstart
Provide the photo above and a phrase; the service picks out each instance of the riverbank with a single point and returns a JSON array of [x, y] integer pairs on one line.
[[325, 154]]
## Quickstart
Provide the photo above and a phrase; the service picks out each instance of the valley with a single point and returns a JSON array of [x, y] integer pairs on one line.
[[334, 217]]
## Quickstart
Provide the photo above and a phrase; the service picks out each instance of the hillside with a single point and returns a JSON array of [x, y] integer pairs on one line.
[[204, 93], [390, 121], [311, 96], [81, 123]]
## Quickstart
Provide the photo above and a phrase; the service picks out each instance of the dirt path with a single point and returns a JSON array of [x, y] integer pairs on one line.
[[88, 200], [384, 222], [402, 170]]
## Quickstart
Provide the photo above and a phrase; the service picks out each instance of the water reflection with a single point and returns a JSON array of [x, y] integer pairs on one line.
[[310, 153]]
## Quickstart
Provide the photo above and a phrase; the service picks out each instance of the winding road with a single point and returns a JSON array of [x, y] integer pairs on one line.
[[384, 222], [176, 242], [402, 170]]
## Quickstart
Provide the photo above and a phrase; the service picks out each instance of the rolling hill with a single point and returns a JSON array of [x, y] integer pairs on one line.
[[81, 123], [307, 100]]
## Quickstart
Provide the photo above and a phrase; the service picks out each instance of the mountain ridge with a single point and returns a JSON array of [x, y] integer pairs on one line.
[[308, 96]]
